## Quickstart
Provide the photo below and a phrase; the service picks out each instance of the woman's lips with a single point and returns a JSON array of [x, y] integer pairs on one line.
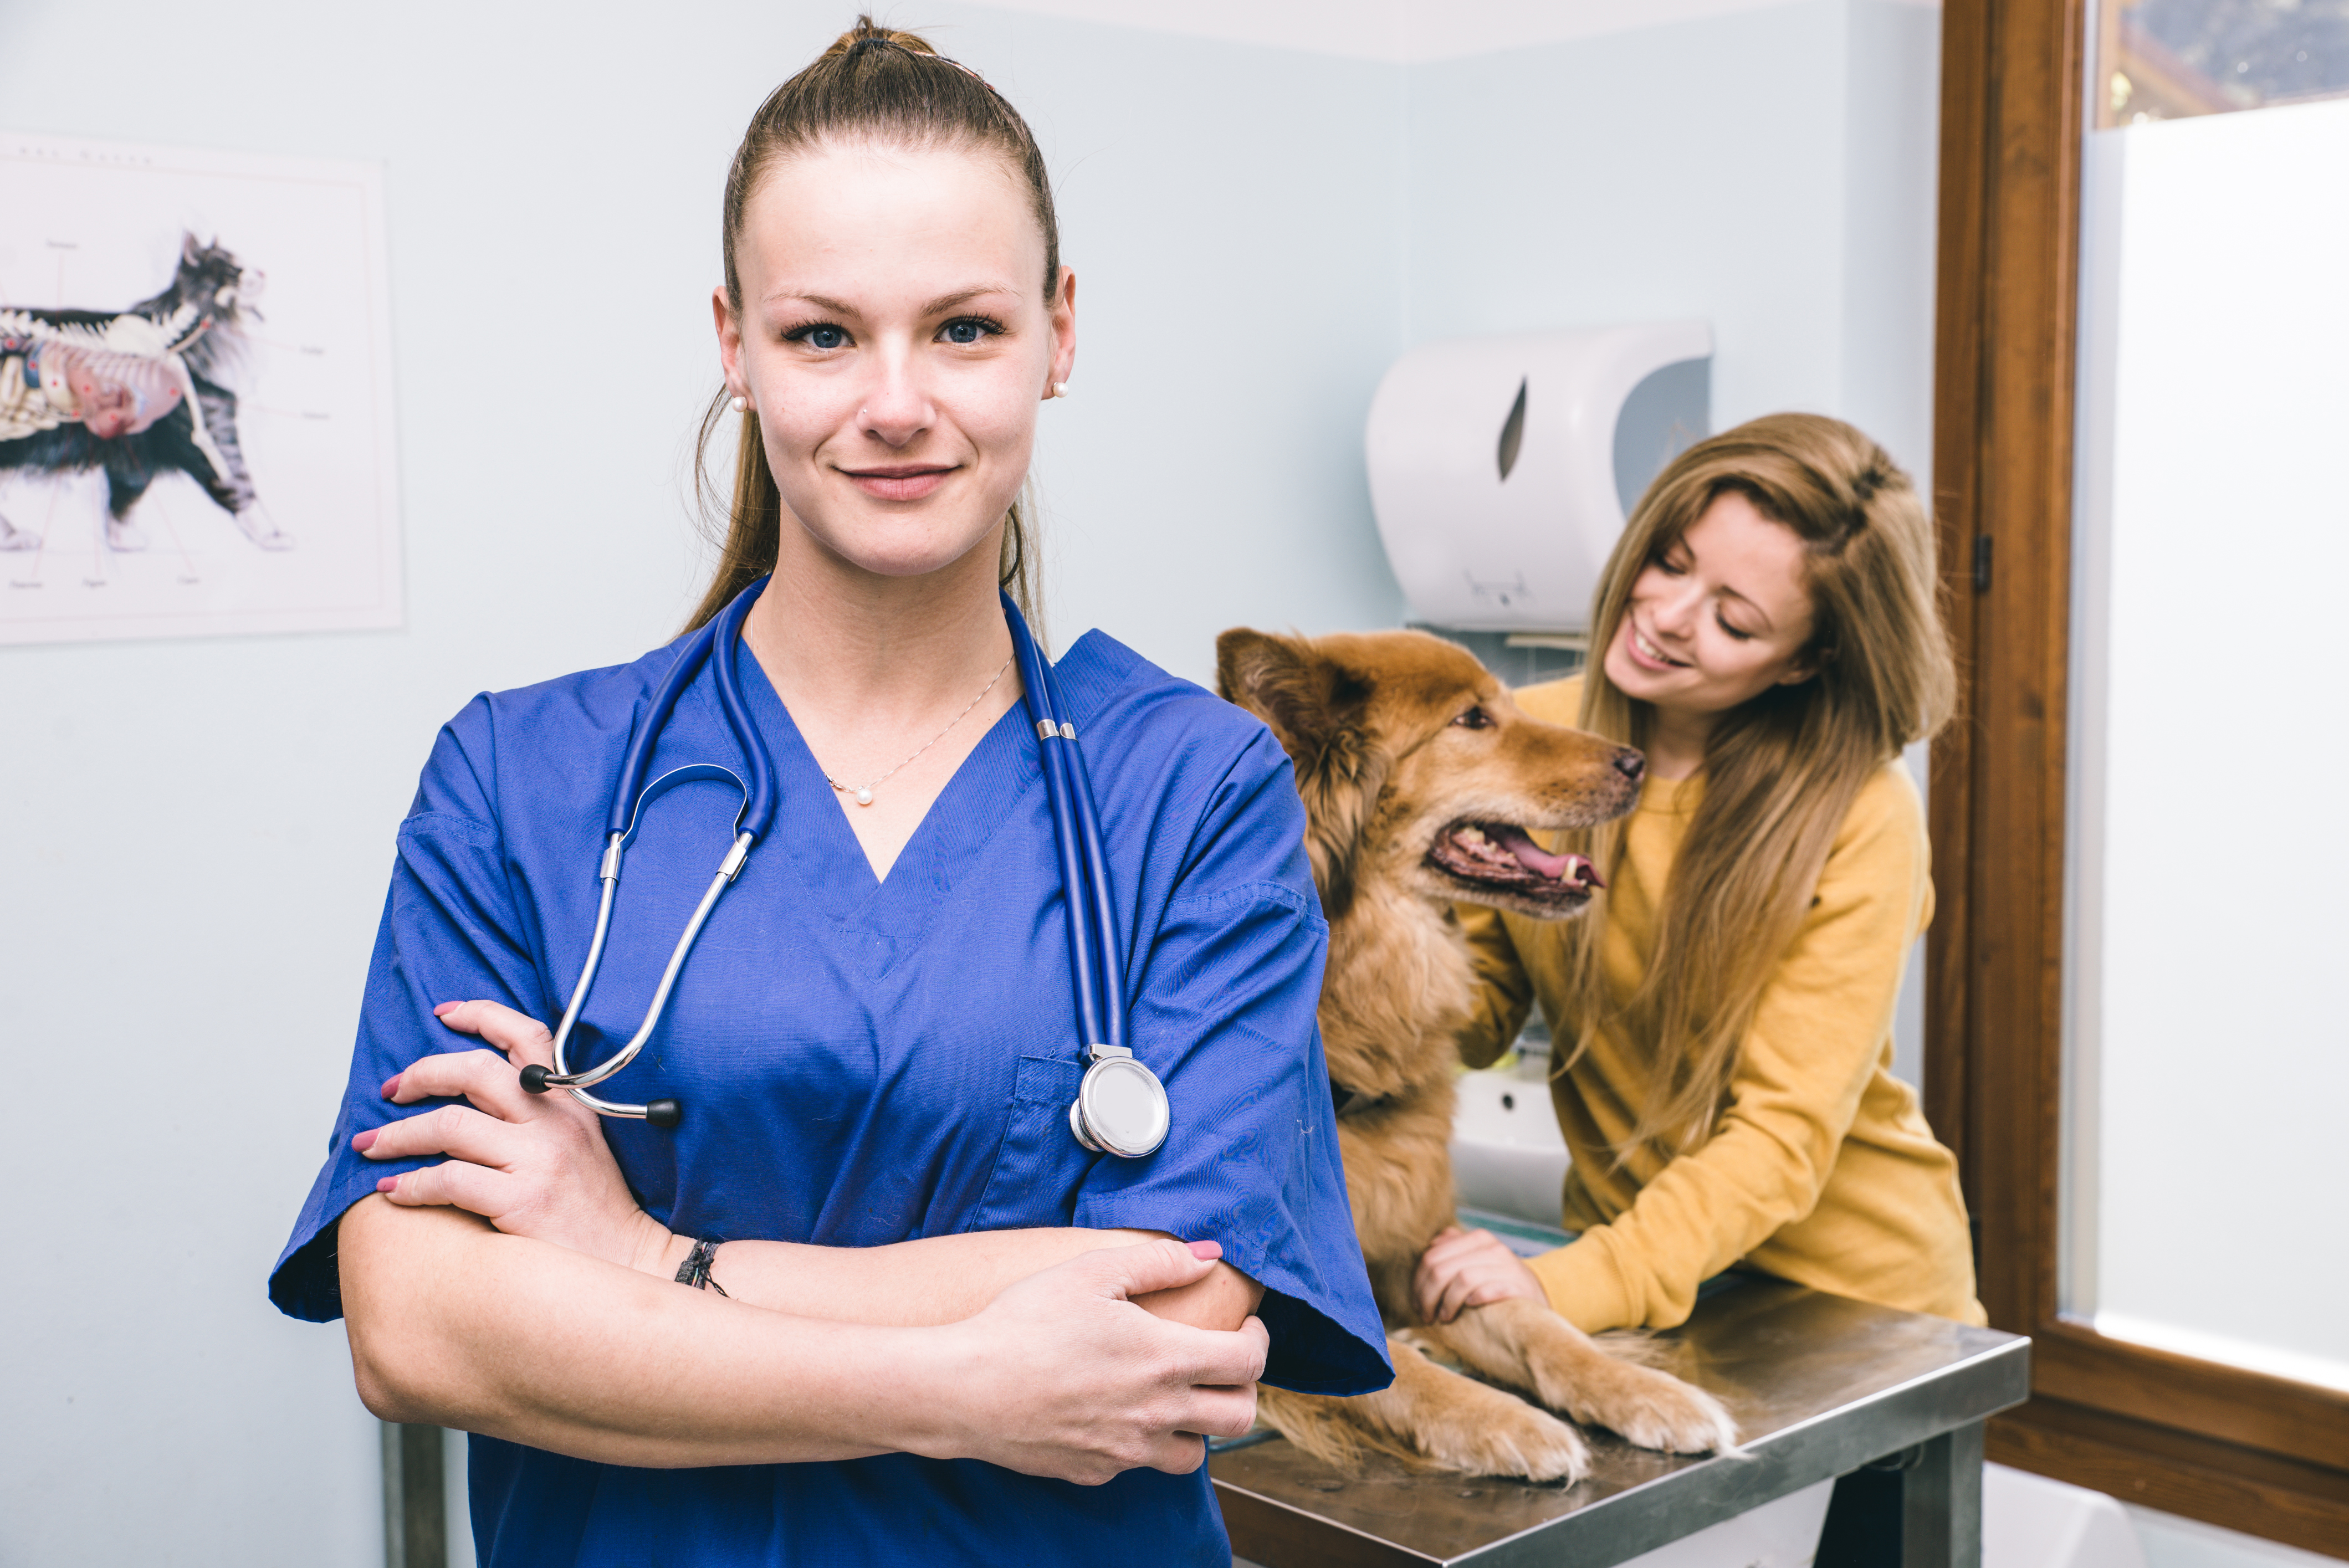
[[910, 483], [1638, 645]]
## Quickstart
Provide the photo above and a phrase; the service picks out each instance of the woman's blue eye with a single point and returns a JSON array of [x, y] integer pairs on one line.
[[825, 338], [968, 330]]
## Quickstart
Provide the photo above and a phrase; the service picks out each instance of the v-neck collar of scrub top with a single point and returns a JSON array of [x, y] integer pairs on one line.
[[813, 836]]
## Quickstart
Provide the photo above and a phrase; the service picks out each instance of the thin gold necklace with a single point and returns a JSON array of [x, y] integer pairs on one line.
[[864, 796]]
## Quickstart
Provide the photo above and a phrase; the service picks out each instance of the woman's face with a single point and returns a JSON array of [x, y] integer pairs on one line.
[[896, 342], [1720, 617]]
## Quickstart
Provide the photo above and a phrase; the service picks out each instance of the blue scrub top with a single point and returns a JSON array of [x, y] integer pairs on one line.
[[865, 1062]]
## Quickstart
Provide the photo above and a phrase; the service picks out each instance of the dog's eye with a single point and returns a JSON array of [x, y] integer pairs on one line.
[[1474, 719]]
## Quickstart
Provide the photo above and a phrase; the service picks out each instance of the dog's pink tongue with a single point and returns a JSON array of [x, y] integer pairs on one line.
[[1534, 858]]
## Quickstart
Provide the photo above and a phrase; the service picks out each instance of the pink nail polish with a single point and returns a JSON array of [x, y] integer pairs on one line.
[[365, 1140], [1208, 1250], [445, 1008], [388, 1184], [391, 1085]]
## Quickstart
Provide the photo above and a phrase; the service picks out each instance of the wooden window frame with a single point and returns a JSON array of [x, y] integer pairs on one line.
[[2254, 1454]]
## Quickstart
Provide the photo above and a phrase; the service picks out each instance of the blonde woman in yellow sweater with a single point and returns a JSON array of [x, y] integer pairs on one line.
[[1766, 633]]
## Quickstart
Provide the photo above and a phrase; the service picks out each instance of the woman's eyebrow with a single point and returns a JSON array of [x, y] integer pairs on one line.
[[963, 296], [944, 303], [831, 306]]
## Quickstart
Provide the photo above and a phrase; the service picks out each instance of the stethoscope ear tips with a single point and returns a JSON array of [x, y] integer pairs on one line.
[[660, 1113]]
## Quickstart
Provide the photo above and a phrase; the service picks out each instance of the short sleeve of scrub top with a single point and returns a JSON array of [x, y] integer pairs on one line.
[[863, 1062]]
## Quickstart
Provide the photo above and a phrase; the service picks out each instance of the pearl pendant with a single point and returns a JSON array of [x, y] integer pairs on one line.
[[865, 797]]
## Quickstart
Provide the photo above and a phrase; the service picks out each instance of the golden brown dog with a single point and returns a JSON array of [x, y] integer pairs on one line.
[[1420, 778]]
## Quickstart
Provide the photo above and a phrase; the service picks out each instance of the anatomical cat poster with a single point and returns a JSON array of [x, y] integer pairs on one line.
[[195, 395]]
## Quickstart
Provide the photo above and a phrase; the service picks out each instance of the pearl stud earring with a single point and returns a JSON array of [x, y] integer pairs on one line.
[[741, 403], [1060, 388]]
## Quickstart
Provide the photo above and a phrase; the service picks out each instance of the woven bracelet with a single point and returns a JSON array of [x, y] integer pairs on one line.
[[695, 1270]]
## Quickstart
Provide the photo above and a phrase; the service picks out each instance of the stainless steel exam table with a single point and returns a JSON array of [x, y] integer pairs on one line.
[[1819, 1385]]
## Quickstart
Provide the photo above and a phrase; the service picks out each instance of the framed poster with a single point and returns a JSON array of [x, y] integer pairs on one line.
[[195, 395]]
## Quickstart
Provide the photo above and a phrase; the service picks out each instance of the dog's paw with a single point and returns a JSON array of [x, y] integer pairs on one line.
[[1653, 1409], [1499, 1434]]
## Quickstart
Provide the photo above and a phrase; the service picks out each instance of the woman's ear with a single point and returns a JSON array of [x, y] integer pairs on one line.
[[1063, 308], [730, 342], [1807, 665]]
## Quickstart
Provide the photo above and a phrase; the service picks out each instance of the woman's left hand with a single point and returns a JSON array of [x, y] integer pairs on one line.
[[1470, 1268], [532, 1165]]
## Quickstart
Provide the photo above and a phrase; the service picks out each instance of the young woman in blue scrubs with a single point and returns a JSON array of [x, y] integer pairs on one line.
[[939, 1311]]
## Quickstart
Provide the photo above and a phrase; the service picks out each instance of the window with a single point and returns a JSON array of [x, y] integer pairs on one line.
[[2137, 392]]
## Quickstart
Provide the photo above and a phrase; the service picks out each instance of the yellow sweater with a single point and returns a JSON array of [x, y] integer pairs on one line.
[[1821, 1169]]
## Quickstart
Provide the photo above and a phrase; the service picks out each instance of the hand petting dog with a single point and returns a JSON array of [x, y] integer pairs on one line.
[[1470, 1268]]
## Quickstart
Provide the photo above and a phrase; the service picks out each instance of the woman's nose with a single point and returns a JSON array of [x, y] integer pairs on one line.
[[1675, 611], [896, 409]]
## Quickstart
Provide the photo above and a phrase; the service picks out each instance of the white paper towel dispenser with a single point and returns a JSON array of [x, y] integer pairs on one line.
[[1501, 469]]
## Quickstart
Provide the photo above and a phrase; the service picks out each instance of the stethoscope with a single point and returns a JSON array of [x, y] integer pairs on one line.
[[1120, 1107]]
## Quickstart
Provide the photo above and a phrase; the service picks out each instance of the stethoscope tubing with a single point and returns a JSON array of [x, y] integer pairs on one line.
[[1096, 955], [629, 802], [1097, 888], [590, 1077], [1084, 877]]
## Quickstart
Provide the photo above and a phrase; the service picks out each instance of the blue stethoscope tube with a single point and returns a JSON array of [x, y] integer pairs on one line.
[[1121, 1106], [1093, 955]]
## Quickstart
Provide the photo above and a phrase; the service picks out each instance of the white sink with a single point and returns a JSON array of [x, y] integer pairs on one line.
[[1507, 1157]]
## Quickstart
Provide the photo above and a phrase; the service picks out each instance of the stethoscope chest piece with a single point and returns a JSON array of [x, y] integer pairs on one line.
[[1121, 1107]]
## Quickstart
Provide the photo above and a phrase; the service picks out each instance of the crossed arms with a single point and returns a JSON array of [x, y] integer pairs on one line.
[[518, 1289]]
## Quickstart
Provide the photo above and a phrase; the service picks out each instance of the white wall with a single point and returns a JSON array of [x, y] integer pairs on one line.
[[1403, 32], [1770, 170], [1233, 217]]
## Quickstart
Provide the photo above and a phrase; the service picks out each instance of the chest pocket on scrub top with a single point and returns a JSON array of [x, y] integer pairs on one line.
[[1039, 1162]]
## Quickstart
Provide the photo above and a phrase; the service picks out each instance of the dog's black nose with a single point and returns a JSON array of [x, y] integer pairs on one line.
[[1630, 764]]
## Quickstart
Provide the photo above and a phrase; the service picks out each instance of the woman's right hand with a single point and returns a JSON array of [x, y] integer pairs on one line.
[[532, 1165], [1462, 1269], [1063, 1375]]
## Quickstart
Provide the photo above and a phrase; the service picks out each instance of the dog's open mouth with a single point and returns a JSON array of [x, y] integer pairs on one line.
[[1499, 855]]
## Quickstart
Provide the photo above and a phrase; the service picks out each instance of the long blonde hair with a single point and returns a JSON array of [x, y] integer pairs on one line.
[[881, 83], [1782, 769]]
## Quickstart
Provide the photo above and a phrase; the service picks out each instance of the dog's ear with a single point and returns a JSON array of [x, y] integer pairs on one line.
[[1315, 707], [1284, 682]]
